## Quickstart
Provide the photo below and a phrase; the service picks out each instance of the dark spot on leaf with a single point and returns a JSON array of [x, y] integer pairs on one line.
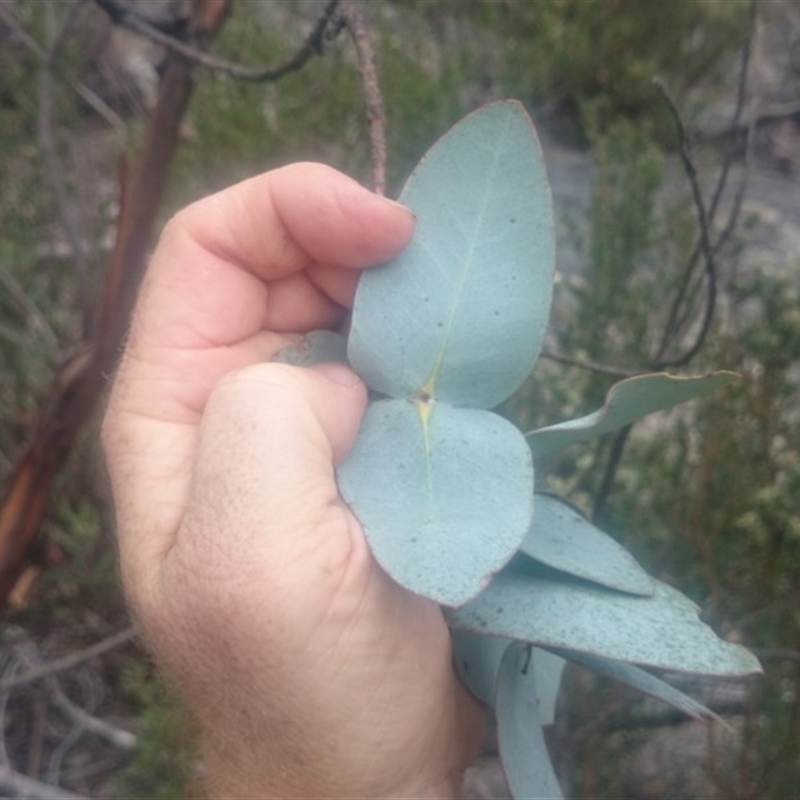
[[465, 666]]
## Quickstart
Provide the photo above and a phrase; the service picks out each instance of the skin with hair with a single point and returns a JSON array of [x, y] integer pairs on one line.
[[310, 672]]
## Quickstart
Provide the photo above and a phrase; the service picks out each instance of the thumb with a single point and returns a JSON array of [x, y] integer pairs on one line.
[[263, 495]]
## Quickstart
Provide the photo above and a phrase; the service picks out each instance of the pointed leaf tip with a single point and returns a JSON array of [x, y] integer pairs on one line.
[[645, 682], [533, 604], [626, 401]]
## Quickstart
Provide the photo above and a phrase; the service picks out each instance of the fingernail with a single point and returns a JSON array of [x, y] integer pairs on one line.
[[395, 204]]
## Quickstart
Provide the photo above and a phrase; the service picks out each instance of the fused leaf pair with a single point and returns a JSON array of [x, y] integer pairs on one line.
[[451, 327]]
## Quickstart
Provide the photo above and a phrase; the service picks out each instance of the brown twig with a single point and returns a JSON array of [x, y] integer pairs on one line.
[[353, 17], [126, 17], [80, 383]]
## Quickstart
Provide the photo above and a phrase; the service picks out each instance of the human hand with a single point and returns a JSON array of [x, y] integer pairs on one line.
[[311, 673]]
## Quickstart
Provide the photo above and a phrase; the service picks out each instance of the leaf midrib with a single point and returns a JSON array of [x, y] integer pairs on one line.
[[428, 387]]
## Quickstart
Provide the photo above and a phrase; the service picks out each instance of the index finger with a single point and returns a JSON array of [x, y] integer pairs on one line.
[[298, 231], [279, 253], [231, 276]]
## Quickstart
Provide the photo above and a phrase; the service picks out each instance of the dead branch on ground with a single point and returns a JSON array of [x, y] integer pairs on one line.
[[48, 669]]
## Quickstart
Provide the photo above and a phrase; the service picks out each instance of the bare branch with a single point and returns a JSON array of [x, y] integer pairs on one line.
[[614, 458], [102, 109], [754, 51], [353, 17], [313, 45], [673, 326], [591, 366], [118, 737], [71, 661], [680, 312], [710, 274], [684, 149], [741, 96]]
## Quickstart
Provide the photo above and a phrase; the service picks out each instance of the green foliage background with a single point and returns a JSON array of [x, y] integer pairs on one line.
[[705, 498]]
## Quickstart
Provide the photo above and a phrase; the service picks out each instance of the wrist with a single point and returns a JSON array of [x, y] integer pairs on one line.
[[227, 780]]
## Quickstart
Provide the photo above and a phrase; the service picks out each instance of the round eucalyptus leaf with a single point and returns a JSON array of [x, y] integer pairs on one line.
[[444, 494], [460, 315]]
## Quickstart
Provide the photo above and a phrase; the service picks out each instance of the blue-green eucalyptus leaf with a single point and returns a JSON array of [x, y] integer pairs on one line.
[[444, 494], [563, 539], [643, 681], [316, 347], [520, 740], [627, 401], [477, 659], [541, 606], [549, 669], [460, 315]]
